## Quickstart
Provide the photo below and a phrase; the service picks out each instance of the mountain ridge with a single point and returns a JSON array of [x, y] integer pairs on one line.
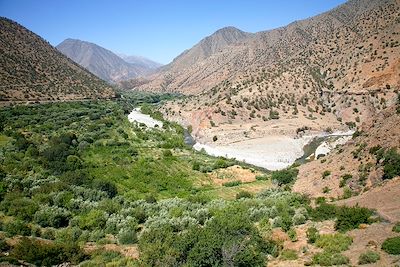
[[100, 61], [32, 70]]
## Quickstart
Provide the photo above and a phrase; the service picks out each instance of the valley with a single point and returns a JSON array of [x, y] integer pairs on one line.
[[269, 148]]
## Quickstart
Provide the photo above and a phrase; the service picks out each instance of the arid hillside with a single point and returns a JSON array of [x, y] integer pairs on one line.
[[365, 168], [334, 69], [32, 70]]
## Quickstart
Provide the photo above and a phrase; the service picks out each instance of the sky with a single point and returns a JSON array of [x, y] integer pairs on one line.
[[157, 29]]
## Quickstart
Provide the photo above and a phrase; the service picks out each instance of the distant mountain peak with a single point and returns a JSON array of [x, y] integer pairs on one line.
[[102, 62], [229, 29]]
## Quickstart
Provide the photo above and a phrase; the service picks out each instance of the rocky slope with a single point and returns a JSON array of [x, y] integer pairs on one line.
[[102, 62], [32, 70], [371, 159], [330, 70]]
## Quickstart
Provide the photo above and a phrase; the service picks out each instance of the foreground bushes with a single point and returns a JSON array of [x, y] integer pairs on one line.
[[284, 176], [334, 242], [351, 217], [329, 259], [347, 218], [229, 239], [369, 257], [392, 245], [46, 254]]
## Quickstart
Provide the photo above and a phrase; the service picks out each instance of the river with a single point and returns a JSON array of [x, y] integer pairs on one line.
[[270, 152]]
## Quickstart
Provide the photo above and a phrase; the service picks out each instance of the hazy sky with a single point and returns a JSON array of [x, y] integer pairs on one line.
[[159, 30]]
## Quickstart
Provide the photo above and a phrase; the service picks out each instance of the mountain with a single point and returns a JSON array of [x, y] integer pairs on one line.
[[209, 46], [32, 70], [332, 70], [141, 62], [342, 37], [101, 62]]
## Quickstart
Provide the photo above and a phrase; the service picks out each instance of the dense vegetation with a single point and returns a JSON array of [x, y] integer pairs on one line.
[[73, 174]]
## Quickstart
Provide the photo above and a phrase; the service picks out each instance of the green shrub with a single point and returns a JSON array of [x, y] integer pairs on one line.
[[221, 163], [196, 166], [320, 200], [323, 212], [244, 194], [344, 179], [292, 234], [349, 218], [127, 236], [52, 216], [284, 176], [47, 254], [334, 242], [326, 190], [106, 186], [329, 259], [21, 207], [16, 227], [215, 244], [92, 220], [347, 193], [288, 254], [392, 245], [312, 235], [261, 177], [396, 228], [325, 174], [368, 257], [391, 164], [232, 183]]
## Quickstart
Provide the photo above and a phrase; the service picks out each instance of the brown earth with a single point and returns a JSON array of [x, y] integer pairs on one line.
[[32, 70], [355, 159]]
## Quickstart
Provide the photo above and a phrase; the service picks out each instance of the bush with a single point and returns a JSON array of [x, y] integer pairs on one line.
[[16, 227], [349, 218], [392, 245], [326, 174], [106, 186], [18, 206], [391, 164], [292, 234], [244, 194], [396, 228], [344, 179], [52, 216], [312, 235], [369, 257], [284, 176], [329, 259], [229, 238], [92, 220], [232, 183], [334, 243], [47, 254], [196, 166], [262, 177], [323, 212], [347, 193], [288, 254], [127, 236]]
